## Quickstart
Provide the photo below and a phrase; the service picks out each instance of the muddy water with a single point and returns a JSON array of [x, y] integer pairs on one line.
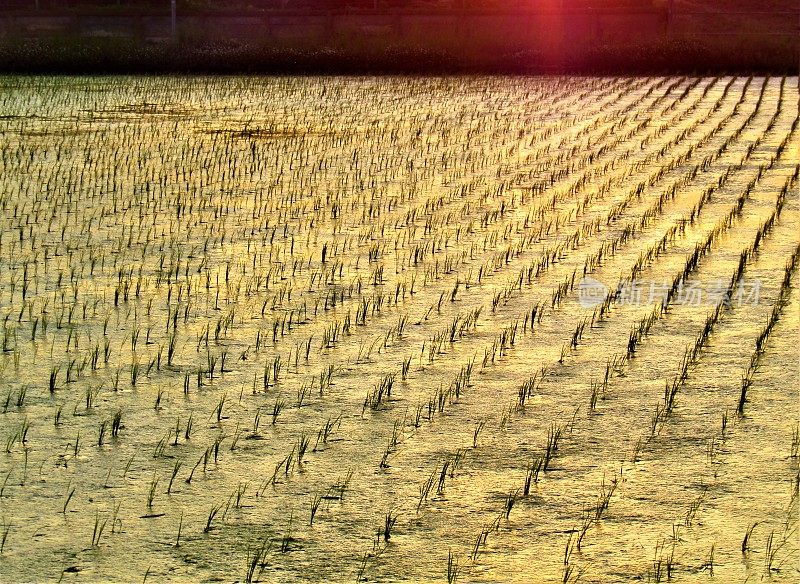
[[229, 303]]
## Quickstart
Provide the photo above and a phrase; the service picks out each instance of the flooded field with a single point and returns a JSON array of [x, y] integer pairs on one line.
[[399, 329]]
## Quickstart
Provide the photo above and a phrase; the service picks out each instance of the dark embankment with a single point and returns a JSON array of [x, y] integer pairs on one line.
[[636, 41]]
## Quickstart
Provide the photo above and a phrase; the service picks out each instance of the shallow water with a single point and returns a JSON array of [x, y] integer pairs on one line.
[[235, 267]]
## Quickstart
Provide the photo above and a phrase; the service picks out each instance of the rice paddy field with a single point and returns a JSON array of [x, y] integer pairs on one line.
[[477, 329]]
